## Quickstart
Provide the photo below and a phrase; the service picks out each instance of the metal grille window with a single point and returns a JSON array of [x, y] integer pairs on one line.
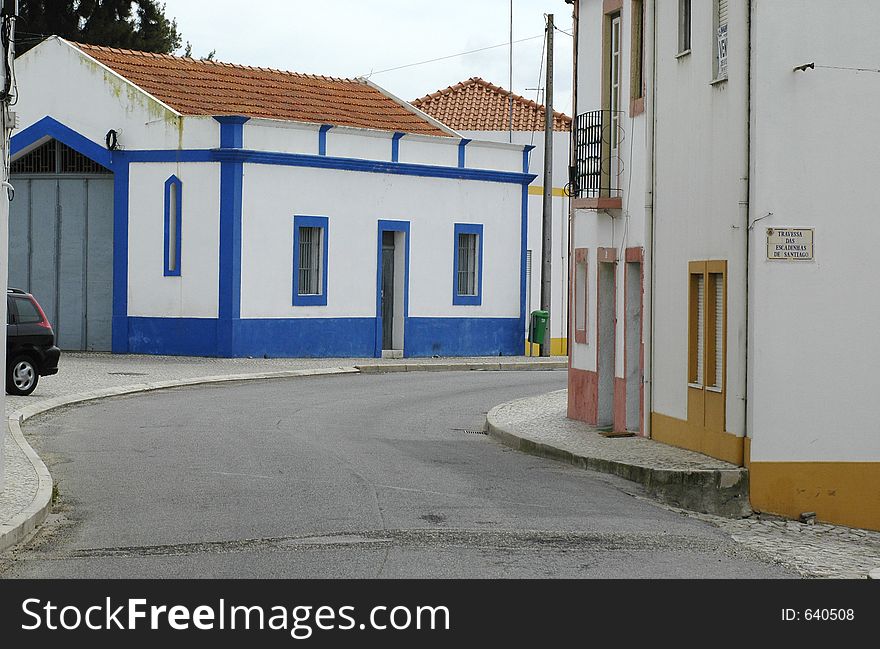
[[41, 160], [54, 157], [73, 162], [468, 270], [310, 261]]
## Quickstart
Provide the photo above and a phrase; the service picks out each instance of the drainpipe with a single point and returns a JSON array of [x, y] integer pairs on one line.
[[572, 161], [650, 199], [744, 212]]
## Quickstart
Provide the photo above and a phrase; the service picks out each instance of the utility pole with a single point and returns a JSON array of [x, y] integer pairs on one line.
[[8, 13], [510, 78], [547, 220]]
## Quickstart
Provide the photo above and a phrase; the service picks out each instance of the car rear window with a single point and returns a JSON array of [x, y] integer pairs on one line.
[[27, 311]]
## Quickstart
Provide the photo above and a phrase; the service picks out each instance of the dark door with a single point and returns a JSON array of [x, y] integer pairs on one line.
[[387, 290]]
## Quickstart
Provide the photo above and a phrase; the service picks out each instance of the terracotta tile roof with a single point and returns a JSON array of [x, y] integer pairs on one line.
[[477, 105], [194, 87]]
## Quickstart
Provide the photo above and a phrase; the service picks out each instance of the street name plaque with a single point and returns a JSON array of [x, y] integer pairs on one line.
[[790, 244]]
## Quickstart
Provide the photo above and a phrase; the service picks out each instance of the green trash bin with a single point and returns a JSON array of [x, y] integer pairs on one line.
[[538, 327]]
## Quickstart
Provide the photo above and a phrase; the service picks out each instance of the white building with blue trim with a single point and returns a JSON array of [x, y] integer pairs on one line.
[[171, 206]]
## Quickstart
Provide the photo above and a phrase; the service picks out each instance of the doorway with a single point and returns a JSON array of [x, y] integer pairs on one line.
[[633, 346], [605, 335], [392, 301], [61, 242]]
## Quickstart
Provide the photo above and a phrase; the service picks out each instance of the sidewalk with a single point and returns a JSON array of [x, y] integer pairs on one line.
[[693, 484], [25, 500]]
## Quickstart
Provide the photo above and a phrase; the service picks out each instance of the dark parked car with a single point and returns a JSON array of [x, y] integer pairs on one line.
[[30, 343]]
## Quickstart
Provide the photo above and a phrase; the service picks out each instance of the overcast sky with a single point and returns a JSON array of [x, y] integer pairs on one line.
[[350, 38]]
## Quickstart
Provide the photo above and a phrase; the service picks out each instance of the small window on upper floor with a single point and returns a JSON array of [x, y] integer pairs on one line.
[[684, 26], [721, 14], [637, 58]]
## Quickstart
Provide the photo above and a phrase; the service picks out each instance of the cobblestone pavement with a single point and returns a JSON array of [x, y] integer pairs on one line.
[[84, 372], [813, 550]]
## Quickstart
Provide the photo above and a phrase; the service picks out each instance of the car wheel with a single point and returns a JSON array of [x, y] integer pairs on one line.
[[21, 376]]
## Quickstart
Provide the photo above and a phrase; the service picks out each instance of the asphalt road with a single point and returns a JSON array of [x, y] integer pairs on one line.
[[350, 476]]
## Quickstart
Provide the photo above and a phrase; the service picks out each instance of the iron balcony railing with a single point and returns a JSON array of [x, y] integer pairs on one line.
[[598, 136]]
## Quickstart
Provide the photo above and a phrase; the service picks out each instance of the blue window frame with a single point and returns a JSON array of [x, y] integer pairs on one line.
[[173, 224], [310, 260], [467, 277]]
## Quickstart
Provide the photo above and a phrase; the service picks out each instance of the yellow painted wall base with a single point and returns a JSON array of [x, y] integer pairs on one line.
[[677, 432], [558, 347], [845, 493], [538, 190]]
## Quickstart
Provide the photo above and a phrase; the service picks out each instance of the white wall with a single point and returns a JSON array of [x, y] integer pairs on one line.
[[815, 134], [700, 157], [359, 143], [429, 150], [354, 202], [58, 80], [195, 293], [282, 137]]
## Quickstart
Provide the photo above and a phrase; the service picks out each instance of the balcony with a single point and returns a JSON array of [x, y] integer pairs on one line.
[[595, 178]]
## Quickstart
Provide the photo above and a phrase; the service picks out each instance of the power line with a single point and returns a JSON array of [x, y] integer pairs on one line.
[[452, 56], [842, 67]]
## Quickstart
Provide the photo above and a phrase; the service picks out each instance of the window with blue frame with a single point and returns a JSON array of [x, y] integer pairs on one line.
[[173, 212], [468, 270], [310, 260]]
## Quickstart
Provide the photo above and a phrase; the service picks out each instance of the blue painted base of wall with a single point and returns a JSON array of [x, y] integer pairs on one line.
[[463, 337], [172, 336], [319, 337], [305, 337]]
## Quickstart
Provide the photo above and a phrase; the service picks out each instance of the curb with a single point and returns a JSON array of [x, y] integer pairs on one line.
[[32, 516], [501, 366], [718, 492], [27, 520]]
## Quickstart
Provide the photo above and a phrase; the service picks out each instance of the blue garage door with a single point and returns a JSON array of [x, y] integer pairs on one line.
[[61, 242]]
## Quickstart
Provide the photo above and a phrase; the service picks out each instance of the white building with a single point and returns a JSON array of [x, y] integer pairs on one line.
[[480, 110], [749, 154], [173, 206]]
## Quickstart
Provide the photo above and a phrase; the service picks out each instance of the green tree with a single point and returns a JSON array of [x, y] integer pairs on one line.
[[132, 24]]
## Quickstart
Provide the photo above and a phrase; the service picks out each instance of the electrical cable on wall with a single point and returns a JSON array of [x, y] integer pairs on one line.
[[9, 92]]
